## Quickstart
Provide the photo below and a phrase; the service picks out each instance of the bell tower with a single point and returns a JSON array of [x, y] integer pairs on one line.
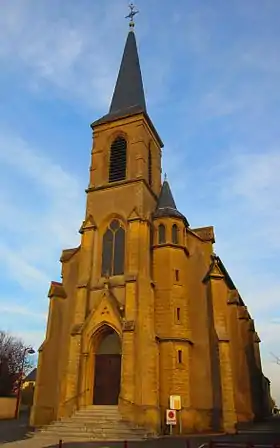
[[124, 185], [126, 152]]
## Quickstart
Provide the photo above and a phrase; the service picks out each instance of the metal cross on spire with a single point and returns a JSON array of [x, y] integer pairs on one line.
[[131, 15]]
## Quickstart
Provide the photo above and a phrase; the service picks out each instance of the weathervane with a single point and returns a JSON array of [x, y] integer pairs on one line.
[[131, 15]]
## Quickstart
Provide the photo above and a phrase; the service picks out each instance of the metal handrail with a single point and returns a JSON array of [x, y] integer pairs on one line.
[[76, 396]]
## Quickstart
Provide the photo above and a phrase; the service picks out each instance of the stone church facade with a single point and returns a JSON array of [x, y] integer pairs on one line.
[[145, 308]]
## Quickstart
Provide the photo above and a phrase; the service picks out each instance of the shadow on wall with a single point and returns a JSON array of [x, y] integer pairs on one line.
[[15, 430]]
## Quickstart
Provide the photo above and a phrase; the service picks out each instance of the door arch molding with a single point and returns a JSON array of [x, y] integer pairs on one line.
[[107, 349]]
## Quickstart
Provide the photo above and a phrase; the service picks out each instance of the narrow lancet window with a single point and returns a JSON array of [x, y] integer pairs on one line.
[[117, 170], [113, 253], [175, 238], [180, 357], [161, 234]]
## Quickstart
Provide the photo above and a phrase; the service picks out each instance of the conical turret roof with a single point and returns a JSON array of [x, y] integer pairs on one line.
[[166, 206]]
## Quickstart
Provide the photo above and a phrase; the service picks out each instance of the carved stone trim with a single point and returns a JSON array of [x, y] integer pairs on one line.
[[130, 278], [76, 329], [243, 313], [205, 233], [129, 325], [57, 290], [176, 246], [121, 182], [174, 339], [233, 297], [68, 253], [256, 338], [88, 224], [251, 325]]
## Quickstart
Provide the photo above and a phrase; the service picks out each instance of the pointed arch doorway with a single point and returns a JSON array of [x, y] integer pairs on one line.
[[107, 369]]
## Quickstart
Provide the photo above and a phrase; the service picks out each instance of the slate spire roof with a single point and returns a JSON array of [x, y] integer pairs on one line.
[[128, 97], [166, 206], [129, 90]]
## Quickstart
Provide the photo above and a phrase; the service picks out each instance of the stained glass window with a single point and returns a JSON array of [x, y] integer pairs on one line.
[[113, 254]]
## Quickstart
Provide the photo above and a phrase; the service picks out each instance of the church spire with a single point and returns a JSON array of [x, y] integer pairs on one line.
[[128, 98], [129, 90]]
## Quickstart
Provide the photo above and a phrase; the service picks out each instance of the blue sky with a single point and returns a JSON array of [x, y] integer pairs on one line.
[[211, 71]]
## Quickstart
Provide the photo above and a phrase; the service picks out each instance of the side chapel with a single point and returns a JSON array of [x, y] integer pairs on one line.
[[145, 308]]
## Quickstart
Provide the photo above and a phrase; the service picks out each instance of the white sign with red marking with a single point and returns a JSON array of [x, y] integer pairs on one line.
[[170, 417]]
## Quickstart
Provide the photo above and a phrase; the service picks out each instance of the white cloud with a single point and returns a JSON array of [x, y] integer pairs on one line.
[[28, 276], [35, 233], [72, 52], [21, 311]]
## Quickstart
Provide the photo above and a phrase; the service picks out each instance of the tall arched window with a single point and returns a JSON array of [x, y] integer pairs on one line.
[[113, 252], [150, 166], [161, 234], [117, 169], [175, 237]]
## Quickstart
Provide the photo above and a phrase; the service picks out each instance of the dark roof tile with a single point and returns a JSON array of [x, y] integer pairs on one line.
[[166, 206]]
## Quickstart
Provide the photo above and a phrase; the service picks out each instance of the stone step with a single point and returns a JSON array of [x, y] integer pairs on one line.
[[97, 409], [92, 424], [96, 435], [96, 414], [92, 429]]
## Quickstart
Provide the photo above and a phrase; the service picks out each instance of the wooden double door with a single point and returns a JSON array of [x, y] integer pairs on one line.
[[107, 379]]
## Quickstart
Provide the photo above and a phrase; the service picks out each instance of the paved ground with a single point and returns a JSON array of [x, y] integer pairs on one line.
[[13, 430], [13, 434]]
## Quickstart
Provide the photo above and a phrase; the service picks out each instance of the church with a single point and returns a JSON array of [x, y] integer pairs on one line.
[[145, 308]]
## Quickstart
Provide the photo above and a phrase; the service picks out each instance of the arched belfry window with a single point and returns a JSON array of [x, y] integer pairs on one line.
[[161, 234], [113, 251], [175, 236], [150, 166], [117, 169]]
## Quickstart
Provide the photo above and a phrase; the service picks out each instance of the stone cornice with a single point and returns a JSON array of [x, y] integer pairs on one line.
[[171, 245], [68, 253], [205, 233], [121, 183], [173, 339], [57, 290], [119, 280], [233, 297]]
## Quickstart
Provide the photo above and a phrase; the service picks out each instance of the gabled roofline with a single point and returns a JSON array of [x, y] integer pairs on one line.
[[228, 278]]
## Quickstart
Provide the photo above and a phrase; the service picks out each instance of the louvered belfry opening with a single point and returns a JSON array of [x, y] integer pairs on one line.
[[118, 160]]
